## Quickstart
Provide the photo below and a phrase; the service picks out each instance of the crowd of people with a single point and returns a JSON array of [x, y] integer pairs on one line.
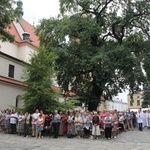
[[71, 124]]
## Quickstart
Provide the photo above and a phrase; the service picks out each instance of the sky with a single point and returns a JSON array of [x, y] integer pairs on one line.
[[34, 10]]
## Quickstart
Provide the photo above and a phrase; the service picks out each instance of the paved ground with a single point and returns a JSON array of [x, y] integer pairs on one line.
[[131, 140]]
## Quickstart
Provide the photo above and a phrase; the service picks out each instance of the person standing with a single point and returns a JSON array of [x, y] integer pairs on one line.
[[148, 119], [121, 121], [7, 122], [43, 116], [13, 121], [3, 119], [87, 125], [102, 116], [61, 123], [26, 125], [95, 127], [108, 126], [144, 119], [129, 116], [114, 118], [134, 120], [140, 119], [71, 129], [39, 126], [77, 123], [34, 122], [65, 123], [56, 122], [20, 125]]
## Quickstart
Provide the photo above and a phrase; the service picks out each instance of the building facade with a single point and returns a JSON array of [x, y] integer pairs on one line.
[[137, 100], [13, 58], [116, 103]]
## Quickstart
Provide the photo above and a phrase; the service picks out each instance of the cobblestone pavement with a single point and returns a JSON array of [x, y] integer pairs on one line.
[[131, 140]]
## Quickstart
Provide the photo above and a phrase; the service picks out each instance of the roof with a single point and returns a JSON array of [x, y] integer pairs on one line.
[[63, 92], [31, 30], [68, 93], [14, 32], [20, 27]]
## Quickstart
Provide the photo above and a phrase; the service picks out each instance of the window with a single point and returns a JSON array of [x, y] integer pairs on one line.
[[131, 103], [138, 96], [11, 71], [138, 102]]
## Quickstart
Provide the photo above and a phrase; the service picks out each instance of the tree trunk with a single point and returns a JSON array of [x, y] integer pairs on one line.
[[92, 106], [97, 93]]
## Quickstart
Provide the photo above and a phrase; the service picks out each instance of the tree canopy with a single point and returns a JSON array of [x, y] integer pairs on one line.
[[146, 96], [10, 10], [40, 93], [101, 46], [38, 78]]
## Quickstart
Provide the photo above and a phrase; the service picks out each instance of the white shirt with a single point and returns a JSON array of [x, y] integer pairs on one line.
[[147, 115], [35, 117], [21, 118], [140, 117], [78, 120], [13, 118], [121, 118]]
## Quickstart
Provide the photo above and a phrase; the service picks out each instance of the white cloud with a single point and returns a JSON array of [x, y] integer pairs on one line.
[[34, 10]]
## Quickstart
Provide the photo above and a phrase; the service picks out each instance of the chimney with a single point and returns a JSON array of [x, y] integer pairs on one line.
[[26, 36]]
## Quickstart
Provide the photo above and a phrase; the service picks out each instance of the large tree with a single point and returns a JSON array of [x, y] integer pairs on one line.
[[97, 43], [10, 10]]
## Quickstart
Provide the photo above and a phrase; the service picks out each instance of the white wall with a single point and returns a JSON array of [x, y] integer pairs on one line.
[[25, 52], [120, 106], [4, 67], [29, 51], [8, 94], [22, 52], [9, 48]]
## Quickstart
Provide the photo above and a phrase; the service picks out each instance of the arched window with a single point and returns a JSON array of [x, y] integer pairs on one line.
[[19, 102]]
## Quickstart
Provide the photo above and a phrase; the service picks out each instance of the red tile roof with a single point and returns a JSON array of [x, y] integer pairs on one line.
[[68, 93], [63, 92], [26, 27], [31, 30], [14, 32]]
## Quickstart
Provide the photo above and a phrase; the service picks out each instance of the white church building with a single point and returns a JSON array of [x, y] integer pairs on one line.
[[13, 57]]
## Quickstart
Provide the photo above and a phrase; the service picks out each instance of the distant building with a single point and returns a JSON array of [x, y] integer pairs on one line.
[[137, 100], [13, 57], [116, 103]]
